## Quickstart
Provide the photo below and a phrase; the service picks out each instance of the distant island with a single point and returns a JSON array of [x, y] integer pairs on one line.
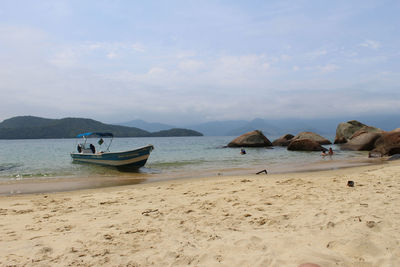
[[31, 127]]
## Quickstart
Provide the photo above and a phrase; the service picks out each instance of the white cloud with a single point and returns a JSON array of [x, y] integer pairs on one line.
[[21, 35], [112, 55], [156, 71], [185, 54], [138, 47], [191, 65], [64, 59], [82, 54], [285, 57], [371, 44], [328, 68], [199, 73], [316, 53]]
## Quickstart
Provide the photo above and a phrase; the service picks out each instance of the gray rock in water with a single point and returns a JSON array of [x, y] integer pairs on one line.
[[362, 141], [312, 136], [346, 129], [283, 140], [305, 145], [251, 139]]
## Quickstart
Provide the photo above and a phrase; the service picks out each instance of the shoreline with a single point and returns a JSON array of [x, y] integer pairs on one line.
[[251, 220], [66, 184]]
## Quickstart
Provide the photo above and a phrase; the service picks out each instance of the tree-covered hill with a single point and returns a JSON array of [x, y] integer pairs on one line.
[[30, 127], [176, 132]]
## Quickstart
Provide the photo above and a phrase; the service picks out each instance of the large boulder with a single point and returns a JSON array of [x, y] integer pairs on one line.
[[251, 139], [305, 145], [283, 140], [387, 144], [346, 129], [312, 136], [366, 129], [361, 141]]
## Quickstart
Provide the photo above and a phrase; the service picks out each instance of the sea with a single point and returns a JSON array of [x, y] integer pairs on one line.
[[44, 165]]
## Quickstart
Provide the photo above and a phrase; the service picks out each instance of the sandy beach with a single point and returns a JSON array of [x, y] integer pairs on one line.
[[246, 220]]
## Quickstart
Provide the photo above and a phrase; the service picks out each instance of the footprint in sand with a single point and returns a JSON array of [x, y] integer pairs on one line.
[[32, 228], [64, 228], [22, 211], [45, 250]]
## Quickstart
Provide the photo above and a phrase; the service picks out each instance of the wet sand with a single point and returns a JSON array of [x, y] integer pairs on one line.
[[246, 220]]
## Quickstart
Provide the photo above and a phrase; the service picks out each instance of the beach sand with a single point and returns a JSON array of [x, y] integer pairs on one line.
[[253, 220]]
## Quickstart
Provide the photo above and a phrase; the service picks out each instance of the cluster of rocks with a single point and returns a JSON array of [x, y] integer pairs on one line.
[[305, 141], [351, 135], [354, 135]]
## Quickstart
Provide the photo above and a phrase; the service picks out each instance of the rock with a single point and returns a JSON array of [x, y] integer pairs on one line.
[[361, 141], [366, 129], [305, 145], [346, 129], [340, 140], [251, 139], [283, 140], [387, 144], [312, 136]]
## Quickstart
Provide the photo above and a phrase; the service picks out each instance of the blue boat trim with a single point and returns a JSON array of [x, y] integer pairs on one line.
[[95, 134]]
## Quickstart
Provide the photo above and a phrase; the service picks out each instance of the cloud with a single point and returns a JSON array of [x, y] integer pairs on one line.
[[138, 47], [21, 35], [112, 55], [64, 59], [328, 68], [156, 71], [317, 53], [371, 44], [191, 65], [273, 59], [86, 53]]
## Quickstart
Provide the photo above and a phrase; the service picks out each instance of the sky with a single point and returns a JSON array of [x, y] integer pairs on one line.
[[190, 61]]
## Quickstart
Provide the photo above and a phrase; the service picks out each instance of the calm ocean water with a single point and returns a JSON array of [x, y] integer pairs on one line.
[[172, 157]]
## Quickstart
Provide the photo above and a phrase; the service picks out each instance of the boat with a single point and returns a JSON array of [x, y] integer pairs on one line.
[[88, 153]]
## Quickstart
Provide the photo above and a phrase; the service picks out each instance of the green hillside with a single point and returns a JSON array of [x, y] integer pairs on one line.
[[25, 121], [29, 127], [176, 132]]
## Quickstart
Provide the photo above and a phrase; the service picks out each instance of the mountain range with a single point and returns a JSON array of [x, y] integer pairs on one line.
[[30, 127], [275, 127]]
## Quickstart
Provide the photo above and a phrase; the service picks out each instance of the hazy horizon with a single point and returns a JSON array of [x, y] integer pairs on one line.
[[180, 62]]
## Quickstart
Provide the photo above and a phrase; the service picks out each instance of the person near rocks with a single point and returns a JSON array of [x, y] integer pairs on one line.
[[330, 152]]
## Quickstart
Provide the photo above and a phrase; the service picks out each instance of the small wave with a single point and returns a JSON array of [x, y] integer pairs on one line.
[[177, 163]]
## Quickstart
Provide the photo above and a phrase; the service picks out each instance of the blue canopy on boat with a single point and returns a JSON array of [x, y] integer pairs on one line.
[[95, 133]]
